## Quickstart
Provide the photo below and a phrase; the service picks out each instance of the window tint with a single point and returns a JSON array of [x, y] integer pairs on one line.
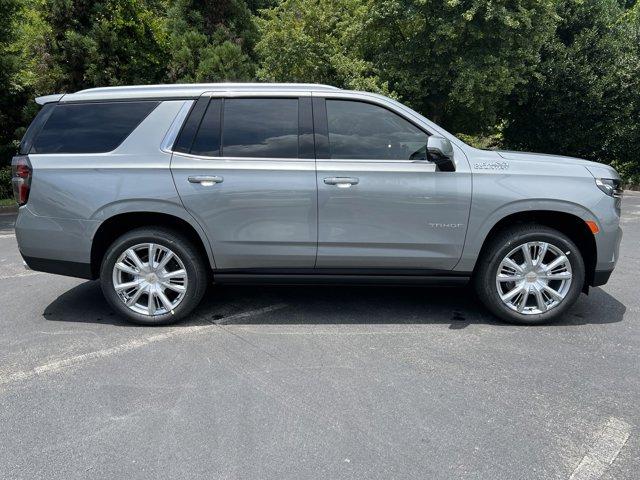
[[207, 141], [359, 130], [90, 127], [190, 127], [260, 127], [34, 128]]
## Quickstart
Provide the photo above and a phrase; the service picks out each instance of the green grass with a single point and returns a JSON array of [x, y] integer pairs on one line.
[[7, 202]]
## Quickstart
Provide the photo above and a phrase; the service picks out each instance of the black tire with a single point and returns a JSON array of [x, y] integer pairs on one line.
[[193, 262], [505, 242]]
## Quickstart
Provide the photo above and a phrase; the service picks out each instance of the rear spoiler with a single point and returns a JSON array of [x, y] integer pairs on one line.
[[49, 98]]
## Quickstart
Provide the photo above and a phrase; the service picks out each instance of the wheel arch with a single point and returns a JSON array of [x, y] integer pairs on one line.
[[118, 224], [570, 224]]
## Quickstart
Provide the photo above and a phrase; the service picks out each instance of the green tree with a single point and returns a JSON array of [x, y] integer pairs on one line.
[[456, 61], [82, 43], [210, 40], [68, 45], [627, 138], [314, 41], [585, 98], [256, 5], [11, 96]]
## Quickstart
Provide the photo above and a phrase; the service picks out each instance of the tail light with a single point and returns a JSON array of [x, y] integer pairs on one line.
[[21, 174]]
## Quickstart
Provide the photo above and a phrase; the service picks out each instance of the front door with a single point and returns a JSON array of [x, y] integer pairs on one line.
[[381, 203], [246, 172]]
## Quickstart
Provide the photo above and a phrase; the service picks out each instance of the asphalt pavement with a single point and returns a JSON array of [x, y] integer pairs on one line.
[[318, 382]]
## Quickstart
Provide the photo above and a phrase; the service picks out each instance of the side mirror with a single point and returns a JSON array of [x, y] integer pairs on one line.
[[440, 152], [440, 146]]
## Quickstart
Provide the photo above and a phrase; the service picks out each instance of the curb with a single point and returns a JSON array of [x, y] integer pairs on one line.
[[13, 209]]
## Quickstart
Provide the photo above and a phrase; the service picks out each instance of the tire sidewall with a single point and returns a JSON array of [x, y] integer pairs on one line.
[[557, 239], [174, 242]]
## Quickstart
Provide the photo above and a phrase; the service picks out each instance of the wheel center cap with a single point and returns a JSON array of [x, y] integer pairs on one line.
[[151, 278], [531, 277]]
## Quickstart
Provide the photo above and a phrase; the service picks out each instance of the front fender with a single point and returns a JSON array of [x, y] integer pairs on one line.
[[479, 230]]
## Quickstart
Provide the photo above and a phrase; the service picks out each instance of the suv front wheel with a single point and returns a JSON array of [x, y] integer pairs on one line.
[[153, 276], [530, 274]]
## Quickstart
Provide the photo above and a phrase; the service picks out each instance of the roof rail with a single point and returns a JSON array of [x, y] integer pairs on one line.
[[210, 86], [178, 91]]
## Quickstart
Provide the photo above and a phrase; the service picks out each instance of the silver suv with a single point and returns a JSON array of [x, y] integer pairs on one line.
[[157, 190]]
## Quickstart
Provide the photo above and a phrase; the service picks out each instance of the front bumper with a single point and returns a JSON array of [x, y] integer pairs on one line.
[[608, 245], [601, 277]]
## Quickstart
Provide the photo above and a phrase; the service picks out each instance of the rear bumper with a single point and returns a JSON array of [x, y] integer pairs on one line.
[[54, 245], [59, 267]]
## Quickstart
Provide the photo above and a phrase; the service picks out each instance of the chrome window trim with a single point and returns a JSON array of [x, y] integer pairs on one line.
[[405, 112], [378, 101], [174, 130], [247, 163], [390, 164], [322, 164], [264, 163], [397, 107], [411, 166]]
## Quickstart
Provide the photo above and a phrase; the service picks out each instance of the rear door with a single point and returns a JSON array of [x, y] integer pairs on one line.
[[381, 203], [244, 168]]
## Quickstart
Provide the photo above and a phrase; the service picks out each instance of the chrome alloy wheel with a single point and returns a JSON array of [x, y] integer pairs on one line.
[[534, 277], [150, 279]]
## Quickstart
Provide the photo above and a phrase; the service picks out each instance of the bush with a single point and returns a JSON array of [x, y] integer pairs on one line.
[[583, 100], [484, 141], [6, 190]]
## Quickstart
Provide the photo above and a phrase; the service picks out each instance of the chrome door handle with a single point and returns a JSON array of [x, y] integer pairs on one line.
[[342, 182], [206, 180]]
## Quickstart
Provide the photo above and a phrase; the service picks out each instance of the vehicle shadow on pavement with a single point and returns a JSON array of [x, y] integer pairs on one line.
[[332, 304]]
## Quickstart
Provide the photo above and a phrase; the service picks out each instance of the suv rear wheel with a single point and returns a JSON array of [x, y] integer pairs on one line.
[[153, 276], [530, 274]]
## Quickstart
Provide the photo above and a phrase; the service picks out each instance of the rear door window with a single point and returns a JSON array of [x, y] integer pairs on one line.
[[190, 127], [207, 140], [260, 127], [90, 127]]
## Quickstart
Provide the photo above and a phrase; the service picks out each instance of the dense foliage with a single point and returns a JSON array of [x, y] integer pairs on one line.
[[11, 97], [585, 99], [556, 76], [456, 61]]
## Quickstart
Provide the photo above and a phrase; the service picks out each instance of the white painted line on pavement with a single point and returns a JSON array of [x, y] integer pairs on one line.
[[8, 235], [338, 333], [26, 273], [604, 450], [251, 313], [77, 360]]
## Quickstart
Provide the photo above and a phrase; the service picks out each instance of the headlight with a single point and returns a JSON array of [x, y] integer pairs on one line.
[[610, 186]]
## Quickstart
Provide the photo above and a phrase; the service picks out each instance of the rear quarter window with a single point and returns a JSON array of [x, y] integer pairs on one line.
[[90, 127], [36, 125]]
